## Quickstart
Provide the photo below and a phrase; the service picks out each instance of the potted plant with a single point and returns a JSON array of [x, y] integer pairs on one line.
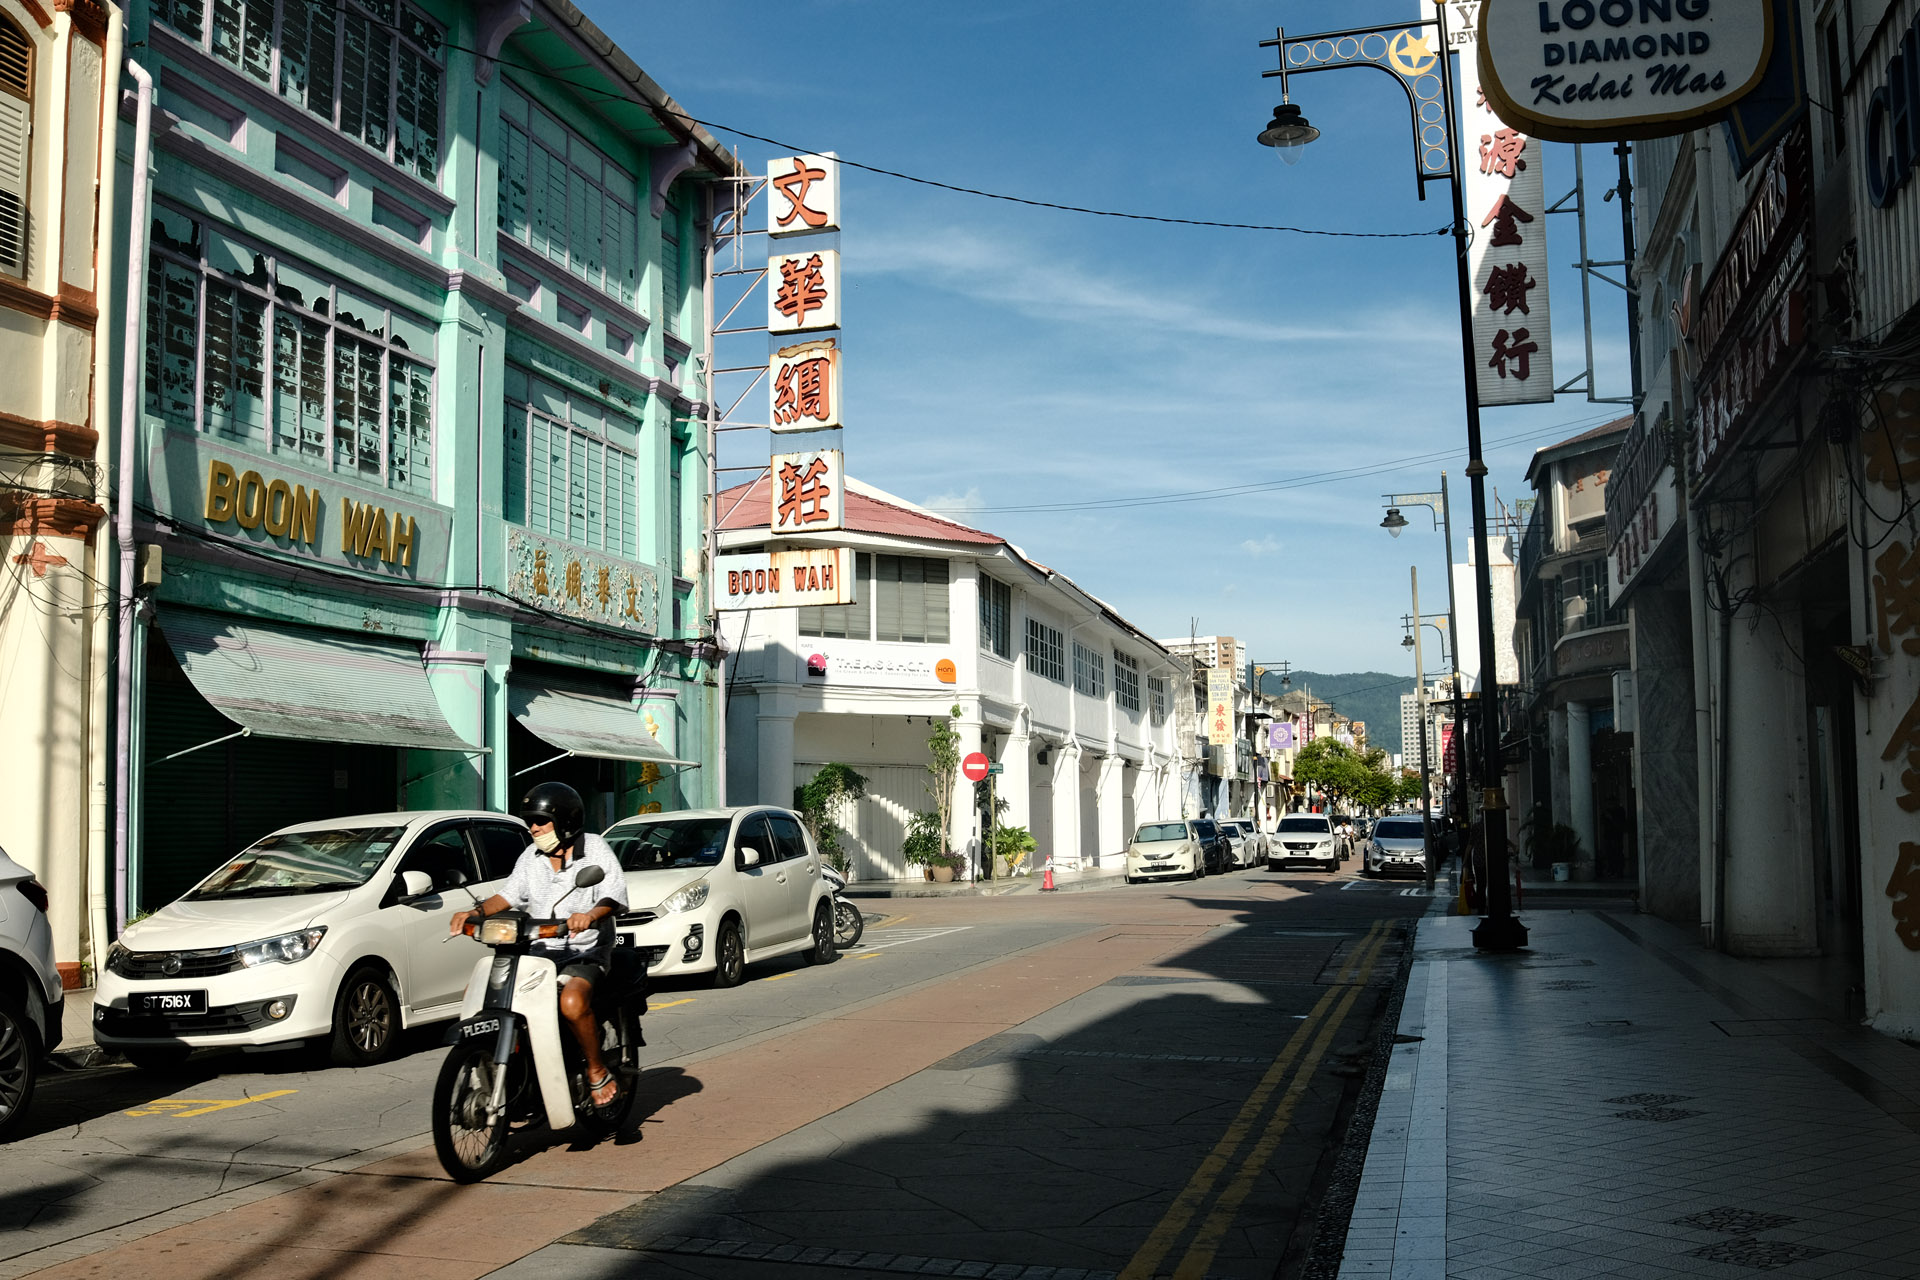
[[1011, 847], [820, 804], [925, 846], [926, 843]]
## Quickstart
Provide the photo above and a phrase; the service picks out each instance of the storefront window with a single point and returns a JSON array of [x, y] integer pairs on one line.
[[566, 201], [370, 68], [246, 345]]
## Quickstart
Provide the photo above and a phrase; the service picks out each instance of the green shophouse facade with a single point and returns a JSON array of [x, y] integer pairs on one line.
[[422, 448]]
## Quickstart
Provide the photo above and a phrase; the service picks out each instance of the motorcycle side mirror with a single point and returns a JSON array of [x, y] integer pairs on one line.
[[588, 876], [749, 856]]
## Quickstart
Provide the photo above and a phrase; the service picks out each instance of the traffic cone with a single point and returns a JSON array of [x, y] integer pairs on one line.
[[1046, 880]]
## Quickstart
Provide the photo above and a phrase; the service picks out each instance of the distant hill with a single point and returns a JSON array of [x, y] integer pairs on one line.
[[1371, 696]]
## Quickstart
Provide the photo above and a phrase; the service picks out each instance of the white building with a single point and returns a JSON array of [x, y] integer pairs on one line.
[[1439, 699], [1073, 701]]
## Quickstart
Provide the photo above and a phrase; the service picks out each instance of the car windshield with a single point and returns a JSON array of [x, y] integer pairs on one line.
[[1304, 824], [1162, 831], [302, 862], [670, 844], [1397, 829]]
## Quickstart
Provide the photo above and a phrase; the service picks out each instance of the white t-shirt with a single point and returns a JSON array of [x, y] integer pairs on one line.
[[535, 887]]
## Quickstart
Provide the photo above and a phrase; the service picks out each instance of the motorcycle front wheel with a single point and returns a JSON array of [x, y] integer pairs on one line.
[[470, 1146], [848, 924]]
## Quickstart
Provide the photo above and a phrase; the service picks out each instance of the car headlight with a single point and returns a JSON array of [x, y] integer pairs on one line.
[[288, 948], [116, 956], [685, 899]]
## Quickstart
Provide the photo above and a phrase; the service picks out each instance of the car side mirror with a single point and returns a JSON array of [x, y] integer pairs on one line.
[[749, 856], [454, 878], [415, 884], [588, 876]]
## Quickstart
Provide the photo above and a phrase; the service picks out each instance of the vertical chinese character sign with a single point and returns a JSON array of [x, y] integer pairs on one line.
[[808, 492], [1219, 707], [1503, 186], [803, 195]]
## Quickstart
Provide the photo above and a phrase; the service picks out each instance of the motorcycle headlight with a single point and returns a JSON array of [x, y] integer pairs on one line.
[[686, 898], [501, 930], [288, 948]]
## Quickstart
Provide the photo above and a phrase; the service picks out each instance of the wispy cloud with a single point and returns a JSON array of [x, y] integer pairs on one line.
[[951, 503], [1266, 546]]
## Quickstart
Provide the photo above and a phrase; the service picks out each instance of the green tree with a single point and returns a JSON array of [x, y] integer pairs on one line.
[[927, 840], [820, 803]]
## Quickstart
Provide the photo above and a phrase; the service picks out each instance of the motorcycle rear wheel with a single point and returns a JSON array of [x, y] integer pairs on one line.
[[848, 924], [469, 1146]]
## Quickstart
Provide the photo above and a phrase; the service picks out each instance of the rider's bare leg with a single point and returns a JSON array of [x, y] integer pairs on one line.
[[576, 1008]]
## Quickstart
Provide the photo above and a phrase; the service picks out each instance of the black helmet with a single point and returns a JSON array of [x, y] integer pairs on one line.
[[558, 803]]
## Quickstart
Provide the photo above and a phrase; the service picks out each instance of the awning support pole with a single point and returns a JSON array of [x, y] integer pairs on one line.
[[544, 763], [466, 756], [244, 733]]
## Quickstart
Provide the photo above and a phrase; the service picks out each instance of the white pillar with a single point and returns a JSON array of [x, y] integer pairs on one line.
[[1580, 784], [964, 834], [1112, 807], [1015, 783], [778, 707], [1066, 805]]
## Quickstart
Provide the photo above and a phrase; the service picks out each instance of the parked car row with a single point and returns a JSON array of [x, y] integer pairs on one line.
[[336, 932], [31, 999]]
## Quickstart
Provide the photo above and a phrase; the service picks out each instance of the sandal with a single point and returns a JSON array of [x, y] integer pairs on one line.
[[607, 1080]]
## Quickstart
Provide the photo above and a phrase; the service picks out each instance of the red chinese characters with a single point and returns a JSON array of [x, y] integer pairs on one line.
[[807, 492]]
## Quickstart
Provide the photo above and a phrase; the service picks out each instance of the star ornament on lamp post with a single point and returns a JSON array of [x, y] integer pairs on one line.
[[1409, 53]]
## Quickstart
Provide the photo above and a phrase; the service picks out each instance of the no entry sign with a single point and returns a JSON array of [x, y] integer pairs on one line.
[[975, 767]]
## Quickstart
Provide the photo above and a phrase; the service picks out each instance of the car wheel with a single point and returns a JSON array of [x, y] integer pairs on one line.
[[19, 1064], [366, 1019], [160, 1060], [729, 955], [824, 949]]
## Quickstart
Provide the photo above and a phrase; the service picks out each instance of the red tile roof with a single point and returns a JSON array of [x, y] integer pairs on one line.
[[745, 507]]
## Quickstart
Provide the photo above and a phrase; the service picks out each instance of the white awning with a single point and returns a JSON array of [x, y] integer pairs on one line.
[[282, 681], [584, 722]]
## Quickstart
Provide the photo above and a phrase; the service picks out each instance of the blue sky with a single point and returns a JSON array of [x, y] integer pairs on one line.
[[1001, 358]]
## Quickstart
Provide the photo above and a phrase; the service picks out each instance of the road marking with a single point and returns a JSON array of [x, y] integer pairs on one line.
[[655, 1008], [915, 935], [1146, 1262], [188, 1108], [894, 922]]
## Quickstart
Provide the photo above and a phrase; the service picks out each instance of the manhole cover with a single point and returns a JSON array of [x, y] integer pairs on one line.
[[1659, 1115], [1739, 1222], [1761, 1255], [1648, 1099]]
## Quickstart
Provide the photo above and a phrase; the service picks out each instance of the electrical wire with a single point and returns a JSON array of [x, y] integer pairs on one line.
[[687, 118]]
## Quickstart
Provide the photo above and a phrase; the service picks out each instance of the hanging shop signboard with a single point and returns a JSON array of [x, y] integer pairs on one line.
[[558, 577], [803, 386], [1280, 735], [808, 493], [1586, 70], [1503, 187], [784, 579], [1220, 707], [803, 195]]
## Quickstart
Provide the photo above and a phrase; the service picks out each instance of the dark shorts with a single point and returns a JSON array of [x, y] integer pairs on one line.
[[588, 965]]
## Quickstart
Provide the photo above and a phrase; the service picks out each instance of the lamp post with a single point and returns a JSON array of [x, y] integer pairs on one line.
[[1401, 50], [1411, 640], [1256, 673], [1394, 523]]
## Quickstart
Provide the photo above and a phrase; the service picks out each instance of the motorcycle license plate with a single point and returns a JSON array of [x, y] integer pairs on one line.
[[168, 1002]]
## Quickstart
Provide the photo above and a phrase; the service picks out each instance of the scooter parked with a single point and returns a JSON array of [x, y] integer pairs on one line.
[[848, 923], [513, 1063]]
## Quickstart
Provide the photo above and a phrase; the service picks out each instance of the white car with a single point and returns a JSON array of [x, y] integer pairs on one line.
[[1235, 834], [332, 931], [1252, 850], [714, 890], [1166, 850], [31, 999], [1304, 837], [1396, 844]]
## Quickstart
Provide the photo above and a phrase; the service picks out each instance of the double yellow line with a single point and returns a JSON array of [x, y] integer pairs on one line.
[[1294, 1067]]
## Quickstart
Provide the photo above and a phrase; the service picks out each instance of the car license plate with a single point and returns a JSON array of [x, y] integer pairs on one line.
[[623, 940], [169, 1002]]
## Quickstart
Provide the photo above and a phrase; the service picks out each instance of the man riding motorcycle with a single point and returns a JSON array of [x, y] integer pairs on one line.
[[541, 884]]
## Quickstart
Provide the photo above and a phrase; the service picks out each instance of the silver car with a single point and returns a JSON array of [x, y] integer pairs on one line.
[[1396, 844]]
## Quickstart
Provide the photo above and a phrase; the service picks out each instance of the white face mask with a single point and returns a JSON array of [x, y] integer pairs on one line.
[[546, 841]]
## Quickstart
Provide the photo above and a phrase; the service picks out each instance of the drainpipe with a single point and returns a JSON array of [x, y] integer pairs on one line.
[[130, 367], [1705, 755]]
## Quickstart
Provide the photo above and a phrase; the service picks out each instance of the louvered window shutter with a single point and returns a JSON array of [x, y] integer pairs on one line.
[[16, 133]]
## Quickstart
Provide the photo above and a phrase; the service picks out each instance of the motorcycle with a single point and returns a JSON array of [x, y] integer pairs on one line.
[[848, 923], [512, 1062]]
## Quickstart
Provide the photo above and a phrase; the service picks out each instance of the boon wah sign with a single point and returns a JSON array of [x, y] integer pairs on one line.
[[784, 579], [1583, 70]]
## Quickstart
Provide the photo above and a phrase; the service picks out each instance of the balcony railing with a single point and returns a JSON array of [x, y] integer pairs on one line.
[[1532, 547]]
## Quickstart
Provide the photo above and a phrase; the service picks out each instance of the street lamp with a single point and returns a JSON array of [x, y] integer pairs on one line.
[[1442, 513], [1425, 74]]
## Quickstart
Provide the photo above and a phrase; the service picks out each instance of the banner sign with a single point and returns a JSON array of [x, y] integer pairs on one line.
[[803, 195], [784, 579], [870, 666], [1219, 708], [1280, 735], [1591, 70], [1503, 187], [808, 493], [803, 386]]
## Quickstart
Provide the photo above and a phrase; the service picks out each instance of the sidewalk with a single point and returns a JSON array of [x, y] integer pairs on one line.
[[1620, 1101]]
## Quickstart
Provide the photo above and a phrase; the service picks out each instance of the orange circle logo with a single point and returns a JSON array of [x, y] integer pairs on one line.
[[946, 671]]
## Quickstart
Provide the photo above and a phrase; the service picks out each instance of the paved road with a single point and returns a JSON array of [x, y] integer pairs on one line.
[[1137, 1082]]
